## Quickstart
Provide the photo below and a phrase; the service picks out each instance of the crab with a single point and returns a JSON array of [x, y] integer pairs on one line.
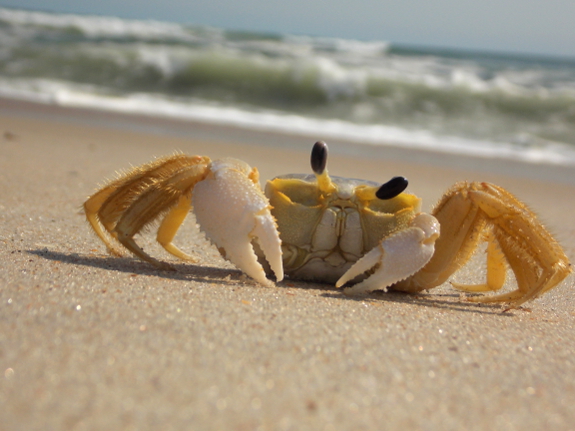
[[360, 235]]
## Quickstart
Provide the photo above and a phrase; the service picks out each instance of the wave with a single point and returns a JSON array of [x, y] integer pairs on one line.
[[491, 102], [63, 94]]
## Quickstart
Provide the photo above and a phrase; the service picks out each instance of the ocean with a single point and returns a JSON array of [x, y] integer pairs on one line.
[[370, 92]]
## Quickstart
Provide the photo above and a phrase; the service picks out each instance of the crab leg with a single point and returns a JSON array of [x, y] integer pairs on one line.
[[165, 193], [396, 257], [496, 270], [91, 208], [105, 207], [232, 210], [516, 237], [170, 225]]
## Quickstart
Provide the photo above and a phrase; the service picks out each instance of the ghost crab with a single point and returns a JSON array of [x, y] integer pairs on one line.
[[332, 229]]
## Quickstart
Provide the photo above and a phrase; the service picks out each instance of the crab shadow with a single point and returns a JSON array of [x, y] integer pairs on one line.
[[447, 301], [182, 271], [227, 276]]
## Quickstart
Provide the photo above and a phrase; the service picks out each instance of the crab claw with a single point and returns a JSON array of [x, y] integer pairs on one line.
[[396, 257], [232, 210]]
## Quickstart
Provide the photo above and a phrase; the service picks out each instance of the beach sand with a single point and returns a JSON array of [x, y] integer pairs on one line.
[[94, 342]]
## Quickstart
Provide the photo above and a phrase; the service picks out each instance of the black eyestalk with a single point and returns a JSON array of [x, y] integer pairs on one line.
[[392, 188], [319, 157]]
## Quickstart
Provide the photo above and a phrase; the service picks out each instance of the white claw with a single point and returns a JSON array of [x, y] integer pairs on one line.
[[233, 211], [396, 257], [269, 241]]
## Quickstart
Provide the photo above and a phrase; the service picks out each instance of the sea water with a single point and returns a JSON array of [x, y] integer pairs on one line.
[[368, 92]]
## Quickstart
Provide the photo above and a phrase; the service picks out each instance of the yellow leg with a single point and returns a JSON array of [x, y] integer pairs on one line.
[[125, 206], [105, 207], [537, 260], [496, 270], [170, 225], [155, 200], [515, 237], [92, 207]]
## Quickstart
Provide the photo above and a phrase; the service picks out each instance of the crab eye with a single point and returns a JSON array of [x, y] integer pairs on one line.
[[392, 188], [319, 157]]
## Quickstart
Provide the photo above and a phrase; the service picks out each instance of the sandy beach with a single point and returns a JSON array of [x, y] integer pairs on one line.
[[94, 342]]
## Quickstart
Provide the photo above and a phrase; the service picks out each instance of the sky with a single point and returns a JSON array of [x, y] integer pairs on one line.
[[514, 26]]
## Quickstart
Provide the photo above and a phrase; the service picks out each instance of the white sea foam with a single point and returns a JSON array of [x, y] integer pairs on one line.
[[63, 94], [94, 26]]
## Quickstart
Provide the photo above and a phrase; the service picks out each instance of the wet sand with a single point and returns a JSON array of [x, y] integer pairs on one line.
[[90, 341]]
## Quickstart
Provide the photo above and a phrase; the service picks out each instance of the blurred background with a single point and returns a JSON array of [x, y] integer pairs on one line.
[[492, 79]]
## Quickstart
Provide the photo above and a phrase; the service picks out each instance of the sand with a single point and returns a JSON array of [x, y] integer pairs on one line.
[[94, 342]]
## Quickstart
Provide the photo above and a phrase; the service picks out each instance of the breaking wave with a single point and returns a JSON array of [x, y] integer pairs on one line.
[[371, 92]]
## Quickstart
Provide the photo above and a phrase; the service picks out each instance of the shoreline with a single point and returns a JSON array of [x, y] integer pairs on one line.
[[197, 130]]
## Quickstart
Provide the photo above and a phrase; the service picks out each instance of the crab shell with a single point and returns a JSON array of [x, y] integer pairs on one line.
[[324, 234]]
